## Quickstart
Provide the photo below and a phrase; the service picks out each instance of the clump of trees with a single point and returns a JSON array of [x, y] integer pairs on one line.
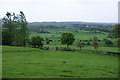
[[108, 42], [67, 38], [36, 42], [115, 33], [14, 29]]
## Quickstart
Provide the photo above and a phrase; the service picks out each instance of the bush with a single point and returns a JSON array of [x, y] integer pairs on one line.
[[88, 43], [108, 42], [36, 42]]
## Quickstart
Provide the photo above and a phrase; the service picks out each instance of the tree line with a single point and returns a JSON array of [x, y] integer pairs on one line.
[[14, 29]]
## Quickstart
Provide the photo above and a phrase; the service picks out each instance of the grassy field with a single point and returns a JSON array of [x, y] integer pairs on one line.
[[55, 36], [81, 35], [20, 62]]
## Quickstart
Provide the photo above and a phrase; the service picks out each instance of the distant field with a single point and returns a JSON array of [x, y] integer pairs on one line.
[[81, 35], [55, 35], [20, 62]]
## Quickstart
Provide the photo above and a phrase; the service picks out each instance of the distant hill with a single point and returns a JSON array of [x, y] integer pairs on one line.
[[73, 23], [89, 26]]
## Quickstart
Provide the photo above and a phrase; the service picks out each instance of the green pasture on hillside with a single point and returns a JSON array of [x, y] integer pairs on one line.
[[21, 62], [81, 35], [55, 36]]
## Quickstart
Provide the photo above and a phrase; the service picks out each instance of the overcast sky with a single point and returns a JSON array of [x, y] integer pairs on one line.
[[63, 10]]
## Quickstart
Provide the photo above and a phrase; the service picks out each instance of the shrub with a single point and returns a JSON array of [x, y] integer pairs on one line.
[[36, 42]]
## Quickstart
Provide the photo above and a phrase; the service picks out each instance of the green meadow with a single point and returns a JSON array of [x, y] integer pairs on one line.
[[55, 35], [23, 62]]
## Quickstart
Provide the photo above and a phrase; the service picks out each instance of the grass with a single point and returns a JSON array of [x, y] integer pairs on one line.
[[55, 35], [82, 35], [20, 62], [100, 48]]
